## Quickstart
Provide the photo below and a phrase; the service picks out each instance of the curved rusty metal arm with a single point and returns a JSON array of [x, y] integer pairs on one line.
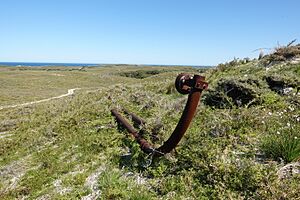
[[185, 84], [194, 86]]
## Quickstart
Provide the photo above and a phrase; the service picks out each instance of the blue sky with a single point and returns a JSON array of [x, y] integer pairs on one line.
[[190, 32]]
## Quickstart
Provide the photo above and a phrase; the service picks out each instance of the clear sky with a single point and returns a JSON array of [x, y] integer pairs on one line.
[[182, 32]]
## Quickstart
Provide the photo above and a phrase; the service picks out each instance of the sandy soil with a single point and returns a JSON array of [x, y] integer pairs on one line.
[[70, 92]]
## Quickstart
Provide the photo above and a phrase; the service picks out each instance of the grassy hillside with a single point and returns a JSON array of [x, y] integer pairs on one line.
[[246, 130]]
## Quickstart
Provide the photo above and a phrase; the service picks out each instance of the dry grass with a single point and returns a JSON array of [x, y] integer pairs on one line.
[[283, 53]]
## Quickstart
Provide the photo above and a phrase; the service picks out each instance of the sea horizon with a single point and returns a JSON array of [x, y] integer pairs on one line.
[[50, 64], [45, 64]]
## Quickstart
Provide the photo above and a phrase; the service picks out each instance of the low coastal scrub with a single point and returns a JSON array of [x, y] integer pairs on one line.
[[283, 54], [141, 74], [243, 134]]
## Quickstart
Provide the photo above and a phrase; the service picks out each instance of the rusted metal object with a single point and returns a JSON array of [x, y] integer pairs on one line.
[[141, 124], [194, 86], [185, 84], [145, 146], [134, 117]]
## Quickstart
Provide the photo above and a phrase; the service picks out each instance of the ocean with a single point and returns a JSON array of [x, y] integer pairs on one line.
[[36, 64], [44, 64]]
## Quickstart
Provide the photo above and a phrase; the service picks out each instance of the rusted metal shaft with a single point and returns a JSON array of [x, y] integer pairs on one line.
[[134, 117], [145, 146], [183, 124], [189, 111]]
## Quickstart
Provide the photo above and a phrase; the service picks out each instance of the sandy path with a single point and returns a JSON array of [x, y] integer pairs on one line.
[[4, 134], [70, 92]]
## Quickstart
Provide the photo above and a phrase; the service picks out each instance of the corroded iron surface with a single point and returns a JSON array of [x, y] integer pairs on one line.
[[185, 84]]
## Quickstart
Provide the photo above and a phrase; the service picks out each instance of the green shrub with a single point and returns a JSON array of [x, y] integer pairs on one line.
[[282, 145], [284, 53], [141, 74], [270, 98]]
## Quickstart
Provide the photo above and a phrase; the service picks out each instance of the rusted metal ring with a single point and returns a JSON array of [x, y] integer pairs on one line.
[[181, 83]]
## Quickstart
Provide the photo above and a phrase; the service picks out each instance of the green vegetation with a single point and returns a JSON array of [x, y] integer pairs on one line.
[[283, 53], [140, 74], [245, 130], [283, 144]]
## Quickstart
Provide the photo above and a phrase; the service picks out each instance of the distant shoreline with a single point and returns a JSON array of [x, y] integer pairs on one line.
[[42, 64], [45, 64]]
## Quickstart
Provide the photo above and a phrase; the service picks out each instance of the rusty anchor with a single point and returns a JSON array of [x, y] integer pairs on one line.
[[193, 85]]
